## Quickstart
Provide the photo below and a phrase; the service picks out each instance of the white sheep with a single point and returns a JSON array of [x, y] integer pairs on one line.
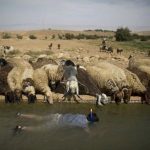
[[70, 77], [45, 75], [20, 77], [111, 78]]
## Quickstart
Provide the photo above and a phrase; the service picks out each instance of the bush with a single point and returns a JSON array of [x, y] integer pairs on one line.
[[32, 37], [6, 36], [135, 36], [143, 38], [80, 36], [19, 36], [123, 34], [60, 36], [69, 36]]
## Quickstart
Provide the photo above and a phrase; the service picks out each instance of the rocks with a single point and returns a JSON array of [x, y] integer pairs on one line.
[[86, 59]]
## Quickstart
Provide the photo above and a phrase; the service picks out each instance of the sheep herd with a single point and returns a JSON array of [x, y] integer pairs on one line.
[[45, 76]]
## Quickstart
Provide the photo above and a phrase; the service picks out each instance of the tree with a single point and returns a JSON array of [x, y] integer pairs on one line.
[[123, 34]]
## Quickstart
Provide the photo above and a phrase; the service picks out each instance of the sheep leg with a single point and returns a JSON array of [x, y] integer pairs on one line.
[[47, 93], [80, 97], [65, 96], [9, 97], [74, 97], [98, 100], [49, 98]]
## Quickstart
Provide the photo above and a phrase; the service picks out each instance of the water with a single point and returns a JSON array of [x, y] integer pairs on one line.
[[120, 127]]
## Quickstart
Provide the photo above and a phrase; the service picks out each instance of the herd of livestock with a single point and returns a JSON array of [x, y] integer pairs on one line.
[[45, 76]]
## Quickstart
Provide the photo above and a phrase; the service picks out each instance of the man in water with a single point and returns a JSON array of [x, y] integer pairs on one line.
[[60, 120]]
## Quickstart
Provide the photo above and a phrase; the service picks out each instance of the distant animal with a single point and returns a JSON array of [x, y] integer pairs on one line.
[[106, 49], [50, 46], [119, 50], [110, 50], [149, 53], [58, 46]]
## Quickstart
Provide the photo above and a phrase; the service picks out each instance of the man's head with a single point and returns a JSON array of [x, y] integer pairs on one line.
[[92, 117]]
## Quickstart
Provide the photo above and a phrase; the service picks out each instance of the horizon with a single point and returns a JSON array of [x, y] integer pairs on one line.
[[69, 28]]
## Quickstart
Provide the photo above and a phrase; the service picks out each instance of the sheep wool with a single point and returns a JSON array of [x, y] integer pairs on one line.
[[20, 72], [108, 77], [41, 83]]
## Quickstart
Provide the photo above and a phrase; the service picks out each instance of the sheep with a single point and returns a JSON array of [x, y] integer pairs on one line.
[[58, 46], [2, 52], [109, 49], [72, 88], [50, 46], [141, 68], [41, 62], [20, 79], [57, 72], [13, 76], [119, 50], [149, 53], [5, 50], [110, 79], [44, 77], [5, 68], [86, 85]]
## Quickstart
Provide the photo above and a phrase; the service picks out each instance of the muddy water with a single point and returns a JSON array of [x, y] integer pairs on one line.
[[120, 128]]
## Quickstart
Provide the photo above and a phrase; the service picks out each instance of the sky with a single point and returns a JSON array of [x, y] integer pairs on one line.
[[74, 14]]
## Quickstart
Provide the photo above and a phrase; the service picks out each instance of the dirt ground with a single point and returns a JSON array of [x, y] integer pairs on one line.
[[71, 49]]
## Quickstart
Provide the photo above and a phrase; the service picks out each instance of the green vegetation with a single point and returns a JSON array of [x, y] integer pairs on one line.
[[135, 45], [99, 30], [33, 37], [60, 36], [6, 35], [70, 36], [123, 34]]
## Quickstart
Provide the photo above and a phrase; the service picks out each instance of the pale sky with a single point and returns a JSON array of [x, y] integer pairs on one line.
[[74, 14]]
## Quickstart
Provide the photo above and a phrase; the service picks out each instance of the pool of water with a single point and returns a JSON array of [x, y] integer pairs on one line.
[[120, 128]]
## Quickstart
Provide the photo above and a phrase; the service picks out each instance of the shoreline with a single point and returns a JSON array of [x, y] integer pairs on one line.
[[85, 99]]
